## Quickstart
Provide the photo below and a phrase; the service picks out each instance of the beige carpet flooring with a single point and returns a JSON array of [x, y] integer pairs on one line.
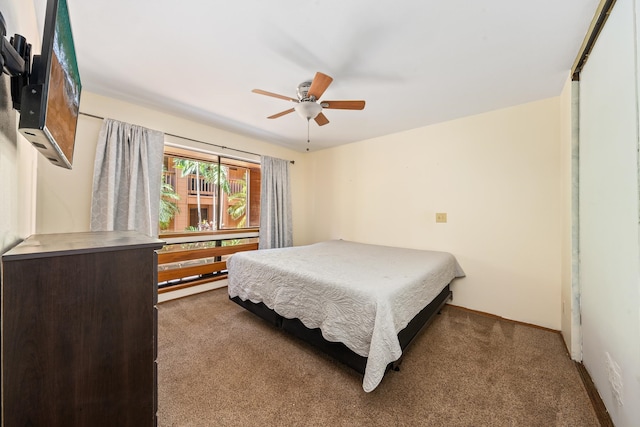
[[220, 365]]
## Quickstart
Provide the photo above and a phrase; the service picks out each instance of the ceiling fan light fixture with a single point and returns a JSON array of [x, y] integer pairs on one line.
[[308, 109]]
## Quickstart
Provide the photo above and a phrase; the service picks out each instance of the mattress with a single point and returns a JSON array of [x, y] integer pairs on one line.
[[359, 294]]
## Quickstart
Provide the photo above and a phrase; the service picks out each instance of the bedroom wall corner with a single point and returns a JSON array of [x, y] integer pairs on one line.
[[496, 174], [570, 290], [18, 159], [64, 195]]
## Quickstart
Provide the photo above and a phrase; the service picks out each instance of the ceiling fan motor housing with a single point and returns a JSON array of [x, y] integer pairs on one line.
[[303, 90]]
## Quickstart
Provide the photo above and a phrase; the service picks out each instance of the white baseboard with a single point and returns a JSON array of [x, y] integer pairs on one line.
[[180, 293]]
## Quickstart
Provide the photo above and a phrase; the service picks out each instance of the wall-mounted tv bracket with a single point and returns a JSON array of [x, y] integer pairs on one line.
[[15, 60]]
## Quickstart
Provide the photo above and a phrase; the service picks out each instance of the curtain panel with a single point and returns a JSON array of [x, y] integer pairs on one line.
[[276, 226], [126, 178]]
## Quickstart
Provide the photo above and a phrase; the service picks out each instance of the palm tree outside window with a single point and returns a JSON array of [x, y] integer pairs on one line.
[[207, 192]]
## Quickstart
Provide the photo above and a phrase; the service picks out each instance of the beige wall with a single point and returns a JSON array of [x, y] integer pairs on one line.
[[18, 159], [565, 156], [64, 196], [498, 177], [570, 287]]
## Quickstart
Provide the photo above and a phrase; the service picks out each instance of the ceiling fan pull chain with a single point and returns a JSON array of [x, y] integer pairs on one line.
[[308, 140]]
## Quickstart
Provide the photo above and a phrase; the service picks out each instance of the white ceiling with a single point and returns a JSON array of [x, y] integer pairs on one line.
[[415, 62]]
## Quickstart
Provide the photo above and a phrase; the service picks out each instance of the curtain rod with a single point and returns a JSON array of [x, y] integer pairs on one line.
[[191, 139]]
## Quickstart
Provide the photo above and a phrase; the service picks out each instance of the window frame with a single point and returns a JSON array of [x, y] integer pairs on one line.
[[217, 236]]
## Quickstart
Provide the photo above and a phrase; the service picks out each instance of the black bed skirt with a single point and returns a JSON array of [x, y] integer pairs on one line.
[[338, 350]]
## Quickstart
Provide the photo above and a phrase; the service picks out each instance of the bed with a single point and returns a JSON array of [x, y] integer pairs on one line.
[[360, 303]]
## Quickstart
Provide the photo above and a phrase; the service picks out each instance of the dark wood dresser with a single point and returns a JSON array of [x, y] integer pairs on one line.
[[79, 330]]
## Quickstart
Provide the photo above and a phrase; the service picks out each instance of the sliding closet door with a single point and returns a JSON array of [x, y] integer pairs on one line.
[[608, 211]]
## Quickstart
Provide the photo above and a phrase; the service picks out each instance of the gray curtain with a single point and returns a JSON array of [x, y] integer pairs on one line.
[[276, 228], [126, 178]]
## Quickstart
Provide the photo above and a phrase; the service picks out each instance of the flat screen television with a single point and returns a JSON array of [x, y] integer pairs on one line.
[[51, 100]]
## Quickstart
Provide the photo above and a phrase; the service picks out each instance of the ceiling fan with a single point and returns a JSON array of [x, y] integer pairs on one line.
[[308, 105]]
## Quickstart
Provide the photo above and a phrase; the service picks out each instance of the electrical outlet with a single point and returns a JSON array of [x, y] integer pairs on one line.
[[441, 217]]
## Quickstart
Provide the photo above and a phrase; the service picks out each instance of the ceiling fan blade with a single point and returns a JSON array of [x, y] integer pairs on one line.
[[343, 105], [282, 113], [275, 95], [319, 84], [321, 119]]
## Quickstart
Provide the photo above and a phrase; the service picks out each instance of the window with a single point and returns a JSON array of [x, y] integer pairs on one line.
[[209, 209], [202, 192]]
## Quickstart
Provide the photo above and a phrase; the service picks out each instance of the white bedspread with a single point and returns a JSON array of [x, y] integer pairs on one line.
[[358, 294]]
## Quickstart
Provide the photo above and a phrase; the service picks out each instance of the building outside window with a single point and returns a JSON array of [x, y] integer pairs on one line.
[[209, 209], [204, 192]]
